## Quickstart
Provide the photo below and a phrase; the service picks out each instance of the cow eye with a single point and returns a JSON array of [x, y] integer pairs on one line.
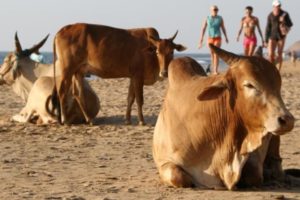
[[253, 88], [249, 85]]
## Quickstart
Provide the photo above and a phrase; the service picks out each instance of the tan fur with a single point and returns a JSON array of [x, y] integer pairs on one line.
[[41, 90], [209, 126], [30, 74]]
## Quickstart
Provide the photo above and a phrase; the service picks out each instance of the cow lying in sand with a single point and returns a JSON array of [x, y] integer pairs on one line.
[[23, 74], [208, 126], [37, 109], [20, 72], [110, 52]]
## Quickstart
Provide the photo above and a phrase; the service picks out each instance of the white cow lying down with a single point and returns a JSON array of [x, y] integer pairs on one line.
[[36, 107]]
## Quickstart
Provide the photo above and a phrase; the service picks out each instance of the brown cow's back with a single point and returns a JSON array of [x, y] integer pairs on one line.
[[96, 45], [184, 68]]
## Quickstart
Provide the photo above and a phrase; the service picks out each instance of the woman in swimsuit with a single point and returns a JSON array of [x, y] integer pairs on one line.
[[248, 24], [215, 24]]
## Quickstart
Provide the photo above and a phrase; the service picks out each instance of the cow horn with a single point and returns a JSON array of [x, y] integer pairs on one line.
[[174, 36], [36, 47], [228, 57], [17, 43]]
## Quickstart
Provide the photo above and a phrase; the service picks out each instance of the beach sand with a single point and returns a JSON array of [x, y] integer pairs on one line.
[[111, 160]]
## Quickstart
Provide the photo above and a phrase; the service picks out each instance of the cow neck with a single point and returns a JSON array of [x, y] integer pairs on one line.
[[239, 143], [29, 73], [152, 69], [22, 87], [229, 156], [232, 160]]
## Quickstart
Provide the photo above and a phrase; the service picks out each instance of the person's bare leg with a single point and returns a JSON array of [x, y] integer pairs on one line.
[[251, 49], [212, 57], [271, 50], [218, 44], [246, 50], [216, 63], [280, 51]]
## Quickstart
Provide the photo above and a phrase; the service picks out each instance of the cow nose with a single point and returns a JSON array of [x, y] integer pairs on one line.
[[286, 121], [163, 74]]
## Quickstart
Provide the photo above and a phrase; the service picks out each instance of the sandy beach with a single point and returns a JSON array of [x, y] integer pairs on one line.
[[110, 160]]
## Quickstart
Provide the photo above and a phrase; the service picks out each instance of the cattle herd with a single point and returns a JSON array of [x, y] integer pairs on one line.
[[218, 131]]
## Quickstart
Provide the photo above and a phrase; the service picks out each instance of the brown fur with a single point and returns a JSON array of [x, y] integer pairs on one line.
[[111, 53], [210, 126]]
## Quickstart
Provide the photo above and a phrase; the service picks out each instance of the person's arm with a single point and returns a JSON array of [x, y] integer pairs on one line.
[[288, 20], [268, 29], [259, 30], [202, 32], [224, 30], [240, 31]]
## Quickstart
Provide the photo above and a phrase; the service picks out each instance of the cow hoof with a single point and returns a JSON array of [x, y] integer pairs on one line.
[[142, 123], [127, 122], [219, 187]]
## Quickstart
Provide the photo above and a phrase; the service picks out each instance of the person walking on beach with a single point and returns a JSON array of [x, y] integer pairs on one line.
[[215, 24], [248, 25], [278, 26]]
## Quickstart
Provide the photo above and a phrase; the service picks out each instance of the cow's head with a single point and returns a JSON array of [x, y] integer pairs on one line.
[[254, 87], [10, 68], [165, 52]]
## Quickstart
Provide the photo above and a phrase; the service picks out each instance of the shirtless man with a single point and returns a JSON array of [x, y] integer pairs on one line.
[[248, 24]]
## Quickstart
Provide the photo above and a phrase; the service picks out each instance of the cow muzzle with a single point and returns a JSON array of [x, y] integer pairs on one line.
[[163, 74], [285, 124]]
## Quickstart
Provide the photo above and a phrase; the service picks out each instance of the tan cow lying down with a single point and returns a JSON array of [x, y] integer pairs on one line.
[[208, 126], [21, 73], [36, 108]]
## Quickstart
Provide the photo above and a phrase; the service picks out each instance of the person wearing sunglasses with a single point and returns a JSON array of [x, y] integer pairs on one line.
[[215, 24]]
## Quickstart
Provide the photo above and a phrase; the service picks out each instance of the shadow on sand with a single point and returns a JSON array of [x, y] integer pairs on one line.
[[120, 120]]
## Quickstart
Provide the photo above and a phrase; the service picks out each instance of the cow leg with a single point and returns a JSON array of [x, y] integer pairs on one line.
[[78, 92], [174, 175], [138, 90], [23, 117], [253, 170], [130, 100], [272, 164], [251, 175], [63, 91]]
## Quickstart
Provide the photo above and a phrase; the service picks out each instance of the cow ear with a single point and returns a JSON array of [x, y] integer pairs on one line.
[[213, 91], [154, 41], [180, 47]]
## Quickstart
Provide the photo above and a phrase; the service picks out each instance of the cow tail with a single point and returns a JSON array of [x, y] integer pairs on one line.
[[47, 106], [54, 97]]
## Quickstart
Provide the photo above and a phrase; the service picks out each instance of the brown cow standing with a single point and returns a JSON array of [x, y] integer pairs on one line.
[[208, 126], [110, 53]]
